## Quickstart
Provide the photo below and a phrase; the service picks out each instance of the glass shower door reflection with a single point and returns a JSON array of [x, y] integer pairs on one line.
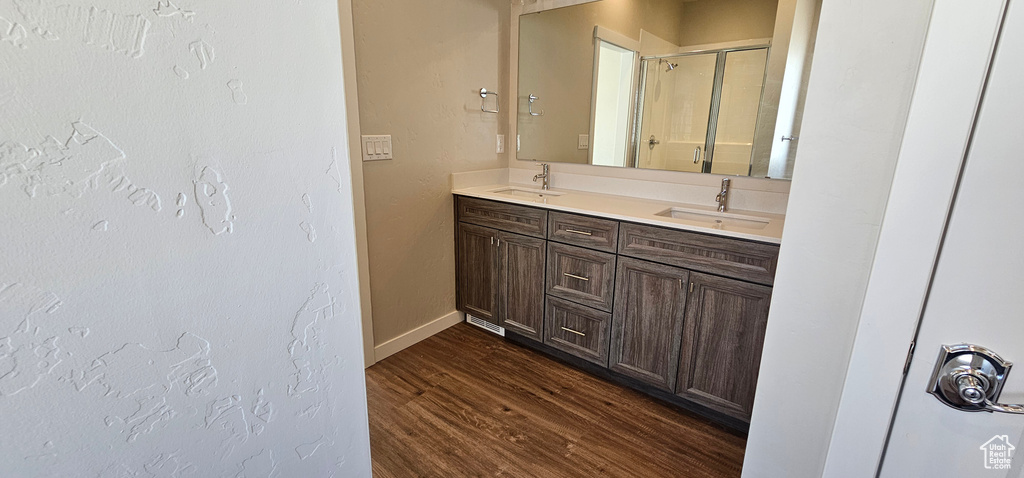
[[742, 85], [676, 100]]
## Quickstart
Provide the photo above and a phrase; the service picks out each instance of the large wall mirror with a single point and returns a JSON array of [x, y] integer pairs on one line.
[[703, 86]]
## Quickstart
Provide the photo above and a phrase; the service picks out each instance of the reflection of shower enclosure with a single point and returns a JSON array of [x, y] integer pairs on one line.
[[699, 110]]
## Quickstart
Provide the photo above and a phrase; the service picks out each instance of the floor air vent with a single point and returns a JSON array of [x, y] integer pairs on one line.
[[483, 324]]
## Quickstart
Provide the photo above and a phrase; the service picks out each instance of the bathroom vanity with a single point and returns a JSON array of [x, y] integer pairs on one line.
[[669, 299]]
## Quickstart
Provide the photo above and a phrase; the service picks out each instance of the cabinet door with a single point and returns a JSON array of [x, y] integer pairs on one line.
[[650, 302], [521, 284], [722, 340], [476, 272]]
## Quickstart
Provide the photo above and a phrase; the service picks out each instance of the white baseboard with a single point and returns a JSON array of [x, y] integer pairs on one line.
[[413, 336]]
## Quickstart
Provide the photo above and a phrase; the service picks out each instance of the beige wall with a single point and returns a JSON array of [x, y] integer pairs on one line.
[[716, 21], [420, 66], [557, 63]]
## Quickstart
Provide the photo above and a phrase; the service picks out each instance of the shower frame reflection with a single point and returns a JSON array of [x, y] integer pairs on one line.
[[703, 156]]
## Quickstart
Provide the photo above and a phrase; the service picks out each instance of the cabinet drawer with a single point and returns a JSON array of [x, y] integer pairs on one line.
[[750, 261], [600, 234], [581, 275], [577, 330], [506, 217]]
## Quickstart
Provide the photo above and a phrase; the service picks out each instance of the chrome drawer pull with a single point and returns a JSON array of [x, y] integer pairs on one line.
[[582, 233], [574, 276], [581, 334]]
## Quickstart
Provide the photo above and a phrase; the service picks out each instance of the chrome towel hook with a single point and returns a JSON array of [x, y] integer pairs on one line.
[[533, 98], [483, 104]]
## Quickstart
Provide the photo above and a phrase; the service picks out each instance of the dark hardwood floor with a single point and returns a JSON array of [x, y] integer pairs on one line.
[[467, 403]]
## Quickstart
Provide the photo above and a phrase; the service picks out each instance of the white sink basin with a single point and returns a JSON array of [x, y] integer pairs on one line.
[[526, 193], [715, 220]]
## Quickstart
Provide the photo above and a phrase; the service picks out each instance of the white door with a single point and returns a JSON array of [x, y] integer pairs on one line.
[[977, 293]]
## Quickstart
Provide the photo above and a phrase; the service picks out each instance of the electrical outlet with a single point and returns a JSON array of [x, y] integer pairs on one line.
[[501, 144], [376, 147], [584, 142]]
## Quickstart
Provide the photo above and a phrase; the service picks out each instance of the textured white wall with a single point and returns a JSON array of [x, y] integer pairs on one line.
[[178, 289]]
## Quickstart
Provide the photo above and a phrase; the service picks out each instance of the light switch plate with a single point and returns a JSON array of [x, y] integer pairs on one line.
[[376, 147], [584, 142]]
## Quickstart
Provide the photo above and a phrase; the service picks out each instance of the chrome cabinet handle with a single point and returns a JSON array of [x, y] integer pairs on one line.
[[574, 276], [970, 378], [582, 233], [696, 155], [581, 334]]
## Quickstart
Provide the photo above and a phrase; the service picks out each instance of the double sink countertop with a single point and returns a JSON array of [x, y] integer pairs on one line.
[[750, 225]]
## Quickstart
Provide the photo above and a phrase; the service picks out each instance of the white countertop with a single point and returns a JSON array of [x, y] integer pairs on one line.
[[643, 211]]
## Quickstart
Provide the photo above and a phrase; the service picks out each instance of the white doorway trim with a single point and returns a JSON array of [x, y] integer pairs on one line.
[[950, 81], [348, 53], [616, 38]]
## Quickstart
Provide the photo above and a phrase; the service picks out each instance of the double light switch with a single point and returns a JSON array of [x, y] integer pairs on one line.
[[376, 147]]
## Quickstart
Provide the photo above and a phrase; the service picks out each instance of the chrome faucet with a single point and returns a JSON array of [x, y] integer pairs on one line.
[[723, 197], [546, 175]]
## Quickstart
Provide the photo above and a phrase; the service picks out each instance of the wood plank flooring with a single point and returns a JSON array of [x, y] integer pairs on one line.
[[465, 403]]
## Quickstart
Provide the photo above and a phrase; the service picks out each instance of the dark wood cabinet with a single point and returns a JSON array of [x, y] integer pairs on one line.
[[650, 303], [677, 314], [521, 284], [500, 278], [476, 272], [722, 341]]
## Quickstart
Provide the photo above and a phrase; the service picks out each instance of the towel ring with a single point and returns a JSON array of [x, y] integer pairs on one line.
[[483, 104], [533, 98]]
